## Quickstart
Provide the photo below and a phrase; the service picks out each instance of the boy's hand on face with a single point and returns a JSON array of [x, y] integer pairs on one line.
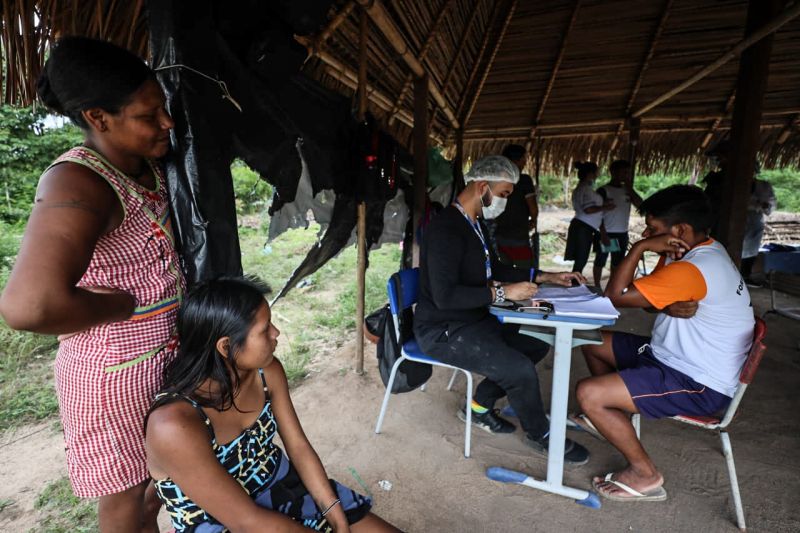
[[667, 244]]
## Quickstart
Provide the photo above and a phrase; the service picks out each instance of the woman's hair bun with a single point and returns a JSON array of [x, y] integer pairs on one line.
[[46, 93]]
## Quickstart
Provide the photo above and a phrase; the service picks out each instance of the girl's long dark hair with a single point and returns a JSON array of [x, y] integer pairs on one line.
[[220, 308]]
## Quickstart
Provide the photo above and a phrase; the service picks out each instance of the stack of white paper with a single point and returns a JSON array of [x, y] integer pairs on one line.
[[578, 302]]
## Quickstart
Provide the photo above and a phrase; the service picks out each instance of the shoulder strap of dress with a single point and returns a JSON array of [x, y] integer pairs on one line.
[[81, 155], [194, 404]]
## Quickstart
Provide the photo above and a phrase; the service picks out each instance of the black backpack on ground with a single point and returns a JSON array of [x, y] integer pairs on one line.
[[410, 374]]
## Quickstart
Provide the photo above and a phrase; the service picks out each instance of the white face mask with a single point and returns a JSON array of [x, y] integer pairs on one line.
[[494, 209]]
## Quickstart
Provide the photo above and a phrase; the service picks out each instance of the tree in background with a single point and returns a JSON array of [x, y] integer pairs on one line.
[[26, 149]]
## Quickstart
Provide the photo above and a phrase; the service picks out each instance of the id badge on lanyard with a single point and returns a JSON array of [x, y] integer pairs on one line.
[[476, 227]]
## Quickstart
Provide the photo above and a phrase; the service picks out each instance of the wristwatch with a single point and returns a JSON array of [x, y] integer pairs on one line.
[[499, 294]]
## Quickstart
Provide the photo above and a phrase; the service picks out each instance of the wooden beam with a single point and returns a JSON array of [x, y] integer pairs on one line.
[[745, 126], [458, 163], [787, 130], [420, 144], [768, 28], [336, 21], [500, 37], [677, 119], [715, 124], [479, 58], [544, 135], [423, 52], [634, 128], [361, 224], [553, 74], [381, 18], [662, 22]]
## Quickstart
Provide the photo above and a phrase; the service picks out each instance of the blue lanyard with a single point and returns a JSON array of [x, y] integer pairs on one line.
[[476, 227]]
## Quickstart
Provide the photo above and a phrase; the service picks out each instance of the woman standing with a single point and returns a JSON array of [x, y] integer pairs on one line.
[[589, 207], [98, 267]]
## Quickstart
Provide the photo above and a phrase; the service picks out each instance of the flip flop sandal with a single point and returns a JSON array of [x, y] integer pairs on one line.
[[584, 424], [656, 495]]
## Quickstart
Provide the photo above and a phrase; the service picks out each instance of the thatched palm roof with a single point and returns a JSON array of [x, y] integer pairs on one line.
[[566, 72]]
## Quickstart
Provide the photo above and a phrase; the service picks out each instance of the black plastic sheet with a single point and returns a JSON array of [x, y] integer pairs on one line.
[[264, 108]]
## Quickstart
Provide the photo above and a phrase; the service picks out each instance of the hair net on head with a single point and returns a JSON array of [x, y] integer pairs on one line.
[[493, 168]]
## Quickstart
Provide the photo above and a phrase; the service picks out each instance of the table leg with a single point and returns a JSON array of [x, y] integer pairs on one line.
[[559, 399]]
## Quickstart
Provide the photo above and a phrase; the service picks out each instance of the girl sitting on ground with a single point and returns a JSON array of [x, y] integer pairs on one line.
[[210, 432]]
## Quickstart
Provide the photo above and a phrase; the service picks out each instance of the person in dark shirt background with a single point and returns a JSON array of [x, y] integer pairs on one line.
[[460, 277], [512, 228]]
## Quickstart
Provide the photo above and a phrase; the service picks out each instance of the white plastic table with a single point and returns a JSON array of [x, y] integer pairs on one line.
[[563, 342]]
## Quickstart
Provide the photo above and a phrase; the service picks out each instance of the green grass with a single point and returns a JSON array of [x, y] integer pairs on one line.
[[63, 512], [316, 319], [26, 377]]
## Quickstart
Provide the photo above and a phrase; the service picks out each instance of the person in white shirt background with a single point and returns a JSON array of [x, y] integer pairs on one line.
[[589, 207], [620, 192]]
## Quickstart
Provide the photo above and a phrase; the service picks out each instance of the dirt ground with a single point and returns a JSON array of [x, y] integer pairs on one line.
[[435, 489]]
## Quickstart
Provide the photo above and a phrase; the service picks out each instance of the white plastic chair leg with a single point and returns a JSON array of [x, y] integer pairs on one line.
[[468, 430], [636, 421], [452, 379], [727, 451], [388, 393]]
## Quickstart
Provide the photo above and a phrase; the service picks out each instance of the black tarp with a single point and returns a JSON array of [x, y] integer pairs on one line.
[[249, 46]]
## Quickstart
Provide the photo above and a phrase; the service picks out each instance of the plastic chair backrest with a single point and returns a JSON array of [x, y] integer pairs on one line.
[[405, 295], [756, 353]]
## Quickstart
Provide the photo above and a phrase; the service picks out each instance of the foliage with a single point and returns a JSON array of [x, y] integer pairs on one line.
[[26, 149], [786, 183], [557, 190], [63, 511], [252, 192]]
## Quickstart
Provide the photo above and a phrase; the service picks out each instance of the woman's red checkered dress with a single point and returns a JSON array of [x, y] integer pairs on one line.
[[106, 376]]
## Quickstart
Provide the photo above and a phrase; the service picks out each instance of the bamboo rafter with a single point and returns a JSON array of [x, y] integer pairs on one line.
[[662, 22], [488, 69], [553, 74], [791, 125], [422, 54], [479, 57], [715, 124], [788, 15]]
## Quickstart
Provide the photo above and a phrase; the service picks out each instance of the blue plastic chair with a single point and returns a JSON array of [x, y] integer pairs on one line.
[[401, 298]]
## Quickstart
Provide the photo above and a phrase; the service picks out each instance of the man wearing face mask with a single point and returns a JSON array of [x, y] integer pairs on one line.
[[460, 277]]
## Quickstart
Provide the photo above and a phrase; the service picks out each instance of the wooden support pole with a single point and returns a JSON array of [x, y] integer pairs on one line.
[[634, 125], [420, 144], [537, 169], [745, 127], [362, 206], [377, 12], [458, 163], [767, 28]]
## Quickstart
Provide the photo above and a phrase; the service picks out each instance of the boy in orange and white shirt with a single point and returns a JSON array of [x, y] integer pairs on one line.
[[700, 340]]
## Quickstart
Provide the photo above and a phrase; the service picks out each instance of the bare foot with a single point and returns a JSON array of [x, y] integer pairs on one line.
[[638, 481]]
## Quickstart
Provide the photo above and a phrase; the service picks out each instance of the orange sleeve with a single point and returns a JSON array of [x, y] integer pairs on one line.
[[679, 281]]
